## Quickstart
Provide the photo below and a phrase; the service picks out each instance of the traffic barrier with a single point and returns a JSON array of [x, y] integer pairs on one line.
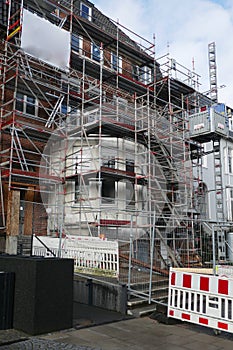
[[201, 299]]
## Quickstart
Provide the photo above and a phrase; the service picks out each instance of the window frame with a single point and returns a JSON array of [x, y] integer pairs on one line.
[[86, 14], [76, 43], [130, 166], [229, 160], [145, 75], [24, 104], [136, 72], [130, 189], [96, 57], [111, 198], [117, 65], [109, 163], [231, 204]]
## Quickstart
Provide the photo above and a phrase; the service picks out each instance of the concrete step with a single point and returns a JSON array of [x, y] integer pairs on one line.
[[155, 292], [137, 302], [156, 284], [143, 308], [142, 311]]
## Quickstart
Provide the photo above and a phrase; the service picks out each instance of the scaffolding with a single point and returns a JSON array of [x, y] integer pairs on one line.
[[100, 149]]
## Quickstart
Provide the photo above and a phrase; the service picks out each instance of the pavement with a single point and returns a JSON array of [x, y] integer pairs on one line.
[[92, 331]]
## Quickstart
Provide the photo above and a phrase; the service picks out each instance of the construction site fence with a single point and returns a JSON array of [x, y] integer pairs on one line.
[[202, 297], [89, 255]]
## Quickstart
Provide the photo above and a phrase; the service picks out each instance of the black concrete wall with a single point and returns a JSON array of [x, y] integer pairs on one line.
[[43, 297], [7, 285]]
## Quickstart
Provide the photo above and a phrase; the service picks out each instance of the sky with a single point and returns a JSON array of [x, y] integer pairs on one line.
[[183, 28]]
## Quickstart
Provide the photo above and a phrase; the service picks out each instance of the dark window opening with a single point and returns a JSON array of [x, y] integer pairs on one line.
[[108, 190], [77, 193], [110, 163], [75, 45], [96, 52], [25, 104], [114, 61], [30, 105], [135, 72], [130, 166], [64, 109], [19, 102]]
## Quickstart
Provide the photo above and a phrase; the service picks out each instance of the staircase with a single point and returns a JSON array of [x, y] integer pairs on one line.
[[138, 296], [142, 295]]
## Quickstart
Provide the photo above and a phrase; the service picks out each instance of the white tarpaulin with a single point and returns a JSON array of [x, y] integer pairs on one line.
[[45, 41]]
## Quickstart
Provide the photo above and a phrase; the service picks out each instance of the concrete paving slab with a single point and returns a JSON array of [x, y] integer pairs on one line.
[[86, 315], [8, 336], [201, 345], [115, 333], [146, 334]]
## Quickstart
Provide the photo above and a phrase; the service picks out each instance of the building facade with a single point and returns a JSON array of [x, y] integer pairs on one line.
[[99, 139]]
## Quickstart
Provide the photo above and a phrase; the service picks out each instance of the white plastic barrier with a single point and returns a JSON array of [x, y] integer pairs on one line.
[[90, 254], [202, 299]]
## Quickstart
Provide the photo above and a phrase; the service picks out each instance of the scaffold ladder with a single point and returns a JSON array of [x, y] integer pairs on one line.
[[219, 199], [14, 19]]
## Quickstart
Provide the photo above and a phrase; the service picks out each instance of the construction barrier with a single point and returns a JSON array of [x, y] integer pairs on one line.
[[201, 298]]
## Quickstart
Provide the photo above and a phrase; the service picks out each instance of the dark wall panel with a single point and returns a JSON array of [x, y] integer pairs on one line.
[[43, 299], [7, 280]]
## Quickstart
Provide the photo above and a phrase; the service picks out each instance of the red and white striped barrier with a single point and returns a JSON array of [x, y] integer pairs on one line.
[[202, 299]]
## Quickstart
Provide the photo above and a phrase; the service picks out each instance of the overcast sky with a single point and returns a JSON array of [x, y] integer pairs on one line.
[[184, 28]]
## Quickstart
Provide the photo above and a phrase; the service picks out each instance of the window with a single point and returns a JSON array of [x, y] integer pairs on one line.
[[19, 102], [76, 43], [116, 62], [231, 204], [85, 11], [64, 109], [95, 52], [26, 104], [108, 190], [30, 105], [145, 75], [135, 71], [130, 193], [130, 166], [77, 190], [109, 163], [230, 160], [202, 200]]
